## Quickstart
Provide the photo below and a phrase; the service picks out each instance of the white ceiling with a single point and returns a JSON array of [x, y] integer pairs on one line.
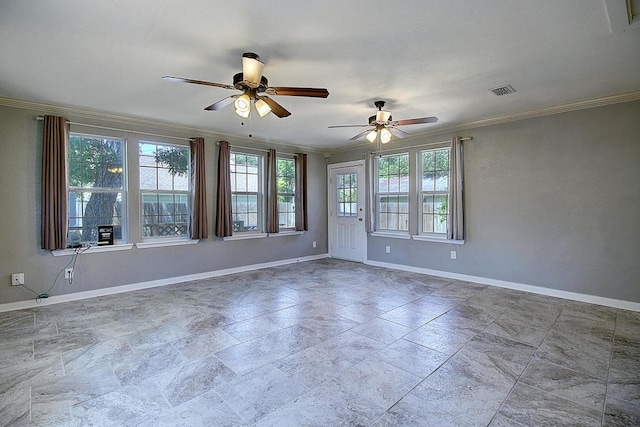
[[424, 57]]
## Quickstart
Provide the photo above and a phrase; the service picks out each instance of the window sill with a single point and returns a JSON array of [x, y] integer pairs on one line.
[[286, 233], [245, 236], [163, 243], [391, 234], [423, 238], [93, 249]]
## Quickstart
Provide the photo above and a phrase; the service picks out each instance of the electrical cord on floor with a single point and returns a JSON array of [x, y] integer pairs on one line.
[[72, 264]]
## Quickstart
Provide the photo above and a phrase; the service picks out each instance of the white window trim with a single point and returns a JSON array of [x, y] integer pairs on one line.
[[161, 242], [436, 239], [286, 233], [260, 194], [292, 159], [151, 240], [93, 249], [422, 235], [384, 232], [245, 236], [124, 217], [392, 234]]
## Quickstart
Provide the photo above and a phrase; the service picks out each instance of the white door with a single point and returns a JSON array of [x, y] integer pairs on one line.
[[347, 234]]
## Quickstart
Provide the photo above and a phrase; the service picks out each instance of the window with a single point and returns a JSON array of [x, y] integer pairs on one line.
[[286, 178], [164, 190], [392, 192], [347, 194], [434, 191], [246, 192], [97, 196]]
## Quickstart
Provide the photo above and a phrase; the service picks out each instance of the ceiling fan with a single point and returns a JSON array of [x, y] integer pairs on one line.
[[382, 126], [252, 84]]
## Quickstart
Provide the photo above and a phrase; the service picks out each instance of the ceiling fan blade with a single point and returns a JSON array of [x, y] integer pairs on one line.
[[353, 138], [197, 82], [276, 108], [416, 121], [298, 91], [397, 132], [222, 103], [349, 126]]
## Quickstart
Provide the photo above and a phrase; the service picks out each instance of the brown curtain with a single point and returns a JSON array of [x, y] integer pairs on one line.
[[455, 219], [272, 193], [54, 183], [198, 225], [224, 216], [302, 215]]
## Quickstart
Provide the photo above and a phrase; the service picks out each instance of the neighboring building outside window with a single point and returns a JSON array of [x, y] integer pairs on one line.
[[96, 187], [246, 192], [164, 190], [286, 178], [392, 192], [434, 191]]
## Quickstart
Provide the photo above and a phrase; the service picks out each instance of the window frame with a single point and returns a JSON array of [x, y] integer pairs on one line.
[[347, 195], [378, 194], [159, 235], [260, 196], [292, 195], [435, 192], [121, 236]]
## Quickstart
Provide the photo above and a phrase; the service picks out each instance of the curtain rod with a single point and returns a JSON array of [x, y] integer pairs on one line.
[[41, 118], [258, 149], [464, 138]]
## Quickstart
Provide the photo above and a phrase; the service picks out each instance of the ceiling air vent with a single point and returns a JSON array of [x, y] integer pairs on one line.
[[502, 90]]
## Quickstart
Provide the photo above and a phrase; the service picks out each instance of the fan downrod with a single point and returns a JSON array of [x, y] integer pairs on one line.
[[379, 105]]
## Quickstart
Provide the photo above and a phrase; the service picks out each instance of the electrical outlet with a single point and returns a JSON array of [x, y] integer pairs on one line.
[[314, 244], [68, 273], [387, 249], [17, 279], [454, 255]]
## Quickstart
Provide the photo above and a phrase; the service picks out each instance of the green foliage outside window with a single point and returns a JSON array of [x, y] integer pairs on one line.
[[286, 174], [391, 166], [174, 158]]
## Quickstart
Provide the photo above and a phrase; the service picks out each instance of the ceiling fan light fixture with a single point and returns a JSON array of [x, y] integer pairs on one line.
[[243, 114], [383, 116], [262, 107], [243, 103], [252, 68], [371, 136], [385, 135]]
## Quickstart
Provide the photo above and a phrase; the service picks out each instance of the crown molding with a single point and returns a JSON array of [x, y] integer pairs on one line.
[[124, 121], [121, 120], [565, 108]]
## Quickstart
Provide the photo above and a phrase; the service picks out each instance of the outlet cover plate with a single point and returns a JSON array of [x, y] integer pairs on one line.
[[17, 279]]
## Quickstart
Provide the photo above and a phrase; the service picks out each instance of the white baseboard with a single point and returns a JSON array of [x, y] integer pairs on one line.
[[609, 302], [151, 284], [592, 299]]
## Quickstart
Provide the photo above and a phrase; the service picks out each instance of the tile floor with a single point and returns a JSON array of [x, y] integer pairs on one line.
[[324, 343]]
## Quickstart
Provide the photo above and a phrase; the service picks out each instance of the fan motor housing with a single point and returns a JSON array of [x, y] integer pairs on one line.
[[241, 84], [372, 119]]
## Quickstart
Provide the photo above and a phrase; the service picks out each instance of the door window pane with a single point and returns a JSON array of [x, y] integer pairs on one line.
[[347, 202]]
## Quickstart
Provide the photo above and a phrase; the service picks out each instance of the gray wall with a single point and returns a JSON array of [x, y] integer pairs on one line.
[[552, 202], [20, 163]]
